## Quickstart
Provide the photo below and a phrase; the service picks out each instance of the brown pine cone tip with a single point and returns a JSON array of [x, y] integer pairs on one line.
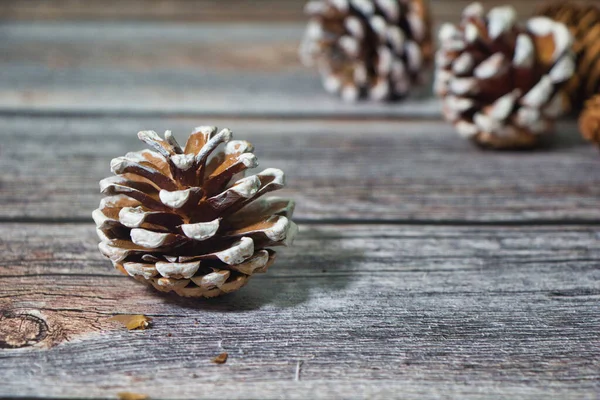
[[186, 219], [368, 48], [584, 23], [500, 82], [589, 120]]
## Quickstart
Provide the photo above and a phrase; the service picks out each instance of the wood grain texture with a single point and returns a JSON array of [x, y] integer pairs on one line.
[[349, 311], [200, 10], [340, 170], [145, 69]]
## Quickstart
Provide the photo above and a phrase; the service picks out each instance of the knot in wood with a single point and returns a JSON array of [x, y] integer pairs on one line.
[[21, 330]]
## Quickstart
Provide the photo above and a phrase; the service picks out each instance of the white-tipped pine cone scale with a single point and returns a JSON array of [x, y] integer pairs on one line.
[[187, 219], [501, 82], [378, 49]]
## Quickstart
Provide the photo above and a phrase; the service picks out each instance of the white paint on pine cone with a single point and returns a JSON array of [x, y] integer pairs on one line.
[[366, 7], [458, 104], [501, 20], [212, 280], [315, 8], [472, 33], [175, 199], [360, 74], [493, 66], [486, 123], [442, 81], [463, 64], [527, 117], [238, 252], [115, 254], [341, 5], [396, 38], [464, 86], [417, 26], [291, 230], [448, 32], [314, 30], [384, 60], [183, 161], [256, 262], [246, 187], [205, 130], [201, 230], [380, 90], [524, 56], [170, 283], [563, 70], [117, 201], [223, 136], [277, 175], [354, 26], [132, 217], [140, 269], [99, 217], [149, 239], [466, 129], [332, 83], [378, 25], [177, 270], [349, 93], [503, 106], [238, 146], [170, 139], [153, 140], [539, 94], [473, 10], [543, 26], [390, 8], [350, 46]]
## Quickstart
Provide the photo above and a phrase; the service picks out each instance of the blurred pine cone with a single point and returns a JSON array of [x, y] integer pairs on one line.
[[589, 120], [584, 23], [368, 48], [500, 81], [186, 219]]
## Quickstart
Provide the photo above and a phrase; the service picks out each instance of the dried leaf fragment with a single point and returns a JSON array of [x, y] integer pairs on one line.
[[131, 322], [220, 359], [132, 396]]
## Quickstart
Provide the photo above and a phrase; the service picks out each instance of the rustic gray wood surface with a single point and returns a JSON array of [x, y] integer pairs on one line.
[[425, 267]]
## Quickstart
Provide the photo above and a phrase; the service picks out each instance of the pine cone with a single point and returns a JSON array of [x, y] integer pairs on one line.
[[589, 120], [187, 220], [584, 23], [499, 80], [374, 48]]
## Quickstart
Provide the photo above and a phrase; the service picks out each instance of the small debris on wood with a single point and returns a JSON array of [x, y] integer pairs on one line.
[[169, 334], [220, 359], [132, 396], [131, 322]]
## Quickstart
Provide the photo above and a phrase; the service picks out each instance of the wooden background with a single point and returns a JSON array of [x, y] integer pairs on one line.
[[425, 268]]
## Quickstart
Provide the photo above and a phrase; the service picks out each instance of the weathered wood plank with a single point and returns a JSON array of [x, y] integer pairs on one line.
[[142, 68], [343, 170], [362, 311], [199, 10]]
